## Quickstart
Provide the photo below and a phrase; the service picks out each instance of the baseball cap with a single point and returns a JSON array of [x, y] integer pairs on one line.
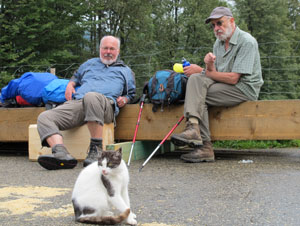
[[218, 13]]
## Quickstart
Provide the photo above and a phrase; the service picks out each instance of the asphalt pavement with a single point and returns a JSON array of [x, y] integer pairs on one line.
[[243, 187]]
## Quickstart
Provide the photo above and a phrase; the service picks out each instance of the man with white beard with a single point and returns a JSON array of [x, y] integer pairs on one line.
[[232, 75], [103, 85]]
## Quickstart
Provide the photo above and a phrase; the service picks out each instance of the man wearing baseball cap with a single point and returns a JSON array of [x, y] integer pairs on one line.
[[232, 75]]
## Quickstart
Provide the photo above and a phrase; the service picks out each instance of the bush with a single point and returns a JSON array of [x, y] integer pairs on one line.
[[257, 144], [5, 78]]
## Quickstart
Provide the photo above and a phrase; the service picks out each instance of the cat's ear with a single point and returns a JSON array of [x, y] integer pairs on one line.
[[99, 149], [119, 150]]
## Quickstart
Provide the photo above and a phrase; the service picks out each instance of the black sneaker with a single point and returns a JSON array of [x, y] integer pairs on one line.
[[93, 155], [59, 159]]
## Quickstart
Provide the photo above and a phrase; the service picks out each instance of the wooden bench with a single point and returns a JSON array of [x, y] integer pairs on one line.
[[253, 120], [76, 140], [14, 123]]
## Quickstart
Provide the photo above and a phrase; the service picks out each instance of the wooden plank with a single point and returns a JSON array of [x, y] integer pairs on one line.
[[14, 123], [76, 140], [253, 120], [153, 126], [257, 120]]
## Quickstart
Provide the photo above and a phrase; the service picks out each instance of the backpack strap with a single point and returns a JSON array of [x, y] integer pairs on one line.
[[170, 85], [153, 86]]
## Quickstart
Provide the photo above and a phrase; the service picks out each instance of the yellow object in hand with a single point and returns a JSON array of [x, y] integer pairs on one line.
[[178, 68]]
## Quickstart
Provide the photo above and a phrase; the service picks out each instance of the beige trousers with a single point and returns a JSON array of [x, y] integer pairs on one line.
[[202, 92], [93, 107]]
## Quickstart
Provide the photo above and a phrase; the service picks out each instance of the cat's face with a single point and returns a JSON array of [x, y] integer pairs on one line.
[[109, 160]]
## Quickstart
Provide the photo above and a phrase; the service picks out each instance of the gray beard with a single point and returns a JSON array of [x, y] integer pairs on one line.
[[226, 34], [108, 62]]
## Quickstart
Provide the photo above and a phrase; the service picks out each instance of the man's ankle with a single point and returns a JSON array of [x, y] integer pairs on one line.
[[193, 120]]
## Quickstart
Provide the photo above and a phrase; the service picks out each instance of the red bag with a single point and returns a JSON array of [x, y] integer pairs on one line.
[[22, 102]]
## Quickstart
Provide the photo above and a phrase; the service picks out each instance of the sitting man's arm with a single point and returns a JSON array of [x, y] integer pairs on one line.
[[70, 90], [129, 93], [192, 69], [224, 77], [122, 101]]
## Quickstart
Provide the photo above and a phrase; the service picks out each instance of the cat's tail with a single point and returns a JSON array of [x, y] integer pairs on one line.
[[108, 220]]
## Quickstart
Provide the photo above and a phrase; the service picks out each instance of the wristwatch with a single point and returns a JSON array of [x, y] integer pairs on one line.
[[203, 71]]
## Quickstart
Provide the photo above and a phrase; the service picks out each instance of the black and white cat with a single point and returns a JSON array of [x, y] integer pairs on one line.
[[101, 190]]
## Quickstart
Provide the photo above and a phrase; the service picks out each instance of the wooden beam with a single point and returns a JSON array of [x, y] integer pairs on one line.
[[253, 120], [257, 120], [14, 123], [52, 70], [76, 140], [153, 126]]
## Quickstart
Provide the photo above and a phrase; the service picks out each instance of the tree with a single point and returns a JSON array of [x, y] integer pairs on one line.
[[197, 38], [154, 34], [40, 32], [268, 22], [294, 17]]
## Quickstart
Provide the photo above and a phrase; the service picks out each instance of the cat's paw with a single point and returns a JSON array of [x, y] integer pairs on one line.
[[133, 214], [131, 221], [108, 213]]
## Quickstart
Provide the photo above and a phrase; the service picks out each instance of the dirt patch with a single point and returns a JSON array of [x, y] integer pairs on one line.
[[157, 224], [20, 200]]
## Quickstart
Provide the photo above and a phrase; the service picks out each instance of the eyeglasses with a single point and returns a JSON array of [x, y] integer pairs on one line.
[[218, 23], [109, 48]]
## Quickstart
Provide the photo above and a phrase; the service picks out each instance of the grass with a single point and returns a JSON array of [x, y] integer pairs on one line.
[[257, 144]]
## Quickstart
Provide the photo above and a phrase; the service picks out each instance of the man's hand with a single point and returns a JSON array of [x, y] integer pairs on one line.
[[69, 90], [209, 60], [192, 69], [122, 101]]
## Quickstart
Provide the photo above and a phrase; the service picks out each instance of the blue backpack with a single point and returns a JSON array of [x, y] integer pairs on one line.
[[29, 86], [166, 87], [54, 93]]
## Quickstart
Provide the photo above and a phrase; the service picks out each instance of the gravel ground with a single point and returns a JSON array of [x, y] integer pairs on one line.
[[167, 192]]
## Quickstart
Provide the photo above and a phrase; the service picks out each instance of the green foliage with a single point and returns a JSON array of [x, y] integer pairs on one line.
[[5, 77], [269, 23], [254, 144], [39, 32], [155, 34]]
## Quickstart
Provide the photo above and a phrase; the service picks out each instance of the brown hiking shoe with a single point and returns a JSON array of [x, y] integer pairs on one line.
[[203, 154], [59, 159], [190, 136]]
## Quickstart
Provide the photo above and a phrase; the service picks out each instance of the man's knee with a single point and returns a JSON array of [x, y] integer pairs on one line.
[[199, 79], [196, 76], [43, 117], [91, 98]]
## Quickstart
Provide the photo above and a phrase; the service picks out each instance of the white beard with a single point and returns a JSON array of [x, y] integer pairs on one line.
[[227, 33], [108, 62]]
